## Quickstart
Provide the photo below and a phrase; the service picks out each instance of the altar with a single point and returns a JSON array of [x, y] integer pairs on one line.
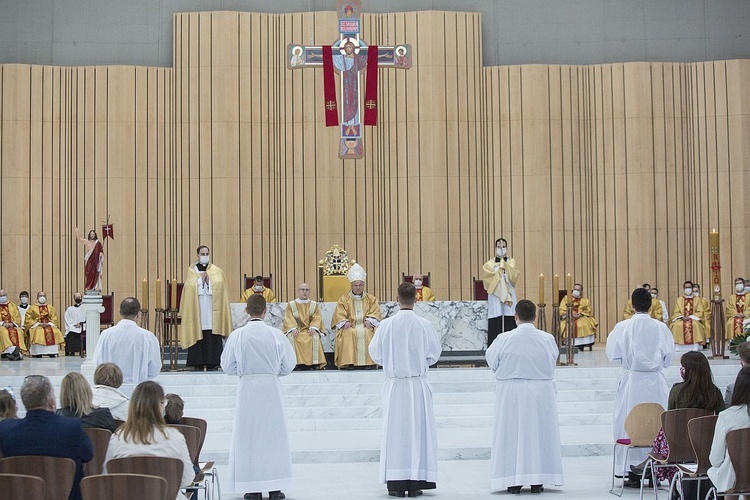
[[461, 324]]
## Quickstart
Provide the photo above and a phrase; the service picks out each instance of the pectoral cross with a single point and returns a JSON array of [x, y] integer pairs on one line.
[[350, 61]]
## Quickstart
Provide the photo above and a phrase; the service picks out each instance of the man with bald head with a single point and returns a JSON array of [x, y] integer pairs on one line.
[[303, 326], [424, 293], [11, 331], [45, 336]]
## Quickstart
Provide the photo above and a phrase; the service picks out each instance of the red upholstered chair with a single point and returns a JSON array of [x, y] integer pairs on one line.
[[168, 300], [409, 278], [249, 282], [478, 286], [107, 318]]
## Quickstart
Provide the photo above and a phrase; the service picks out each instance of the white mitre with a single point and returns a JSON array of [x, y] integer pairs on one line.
[[356, 273]]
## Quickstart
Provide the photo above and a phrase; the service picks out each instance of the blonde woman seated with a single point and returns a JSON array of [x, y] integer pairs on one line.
[[107, 380], [76, 401], [145, 432]]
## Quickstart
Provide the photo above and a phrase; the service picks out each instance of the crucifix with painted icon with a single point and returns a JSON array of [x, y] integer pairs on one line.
[[350, 57]]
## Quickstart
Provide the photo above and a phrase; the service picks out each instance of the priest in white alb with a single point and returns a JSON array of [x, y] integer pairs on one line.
[[406, 345], [303, 326], [644, 347], [356, 316], [526, 434], [259, 457]]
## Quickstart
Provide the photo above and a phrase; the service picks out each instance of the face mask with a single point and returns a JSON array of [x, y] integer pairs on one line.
[[500, 252], [653, 295], [78, 301], [740, 287], [4, 299], [42, 299], [24, 300], [258, 288], [688, 291], [203, 259], [576, 293], [697, 293], [417, 283]]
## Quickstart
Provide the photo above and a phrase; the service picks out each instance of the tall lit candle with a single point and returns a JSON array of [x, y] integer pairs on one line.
[[158, 293], [555, 289], [144, 294], [715, 259], [173, 294], [569, 284], [541, 289]]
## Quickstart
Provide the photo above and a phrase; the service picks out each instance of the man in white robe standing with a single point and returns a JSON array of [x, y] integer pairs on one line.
[[406, 345], [644, 347], [525, 435], [132, 348], [259, 457]]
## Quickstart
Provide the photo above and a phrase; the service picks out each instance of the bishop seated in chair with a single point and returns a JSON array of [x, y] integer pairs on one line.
[[356, 316], [303, 326], [259, 287]]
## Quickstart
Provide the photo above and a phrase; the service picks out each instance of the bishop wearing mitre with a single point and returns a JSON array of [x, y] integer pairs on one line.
[[356, 316]]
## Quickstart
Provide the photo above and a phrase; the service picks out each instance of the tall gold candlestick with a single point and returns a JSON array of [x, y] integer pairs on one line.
[[158, 293], [144, 294], [556, 289], [173, 294]]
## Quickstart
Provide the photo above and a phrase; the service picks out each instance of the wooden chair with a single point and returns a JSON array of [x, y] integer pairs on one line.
[[119, 423], [56, 471], [208, 469], [739, 455], [675, 425], [100, 440], [192, 438], [124, 487], [701, 432], [642, 425], [478, 286], [168, 468], [22, 487], [409, 278]]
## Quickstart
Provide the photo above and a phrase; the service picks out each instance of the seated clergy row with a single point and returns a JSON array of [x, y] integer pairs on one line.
[[33, 328]]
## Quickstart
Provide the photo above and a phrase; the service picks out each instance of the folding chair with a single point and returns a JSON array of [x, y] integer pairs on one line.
[[642, 425], [701, 432]]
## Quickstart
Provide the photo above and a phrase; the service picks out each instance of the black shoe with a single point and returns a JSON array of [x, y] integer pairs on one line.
[[633, 483], [415, 493], [516, 490], [537, 488], [276, 495], [253, 496], [400, 494]]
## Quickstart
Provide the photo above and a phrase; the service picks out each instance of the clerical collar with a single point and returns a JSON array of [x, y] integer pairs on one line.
[[201, 267], [76, 305], [406, 309], [357, 296], [256, 319], [303, 301], [23, 306]]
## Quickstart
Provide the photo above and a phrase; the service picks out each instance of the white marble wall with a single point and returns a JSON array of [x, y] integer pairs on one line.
[[462, 325]]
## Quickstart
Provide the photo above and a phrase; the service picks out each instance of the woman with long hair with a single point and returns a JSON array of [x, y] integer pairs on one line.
[[697, 390], [146, 433], [8, 406], [737, 416], [76, 401]]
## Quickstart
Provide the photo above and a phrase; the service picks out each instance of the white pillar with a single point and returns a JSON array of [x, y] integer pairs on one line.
[[92, 308]]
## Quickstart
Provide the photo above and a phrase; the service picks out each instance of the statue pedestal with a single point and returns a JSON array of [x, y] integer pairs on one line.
[[92, 307]]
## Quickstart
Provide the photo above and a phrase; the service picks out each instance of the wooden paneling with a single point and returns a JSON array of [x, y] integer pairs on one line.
[[614, 173]]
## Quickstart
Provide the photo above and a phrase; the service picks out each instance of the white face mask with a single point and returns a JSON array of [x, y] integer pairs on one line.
[[258, 288], [688, 291], [500, 252], [653, 295], [740, 287], [697, 293], [24, 300], [576, 293], [203, 259], [42, 299], [417, 283], [4, 299]]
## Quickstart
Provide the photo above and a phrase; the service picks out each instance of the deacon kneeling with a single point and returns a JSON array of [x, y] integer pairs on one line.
[[525, 435], [356, 316], [406, 345], [259, 458]]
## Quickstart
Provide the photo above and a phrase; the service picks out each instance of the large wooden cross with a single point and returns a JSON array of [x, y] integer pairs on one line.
[[349, 61]]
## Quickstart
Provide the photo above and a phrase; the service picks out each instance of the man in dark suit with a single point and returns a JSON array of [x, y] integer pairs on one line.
[[41, 432]]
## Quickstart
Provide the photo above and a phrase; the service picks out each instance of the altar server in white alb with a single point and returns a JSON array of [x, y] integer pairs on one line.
[[644, 347], [525, 436], [133, 349], [406, 345], [259, 458]]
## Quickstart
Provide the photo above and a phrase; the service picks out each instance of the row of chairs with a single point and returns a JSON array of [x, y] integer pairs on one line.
[[689, 433], [60, 472]]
